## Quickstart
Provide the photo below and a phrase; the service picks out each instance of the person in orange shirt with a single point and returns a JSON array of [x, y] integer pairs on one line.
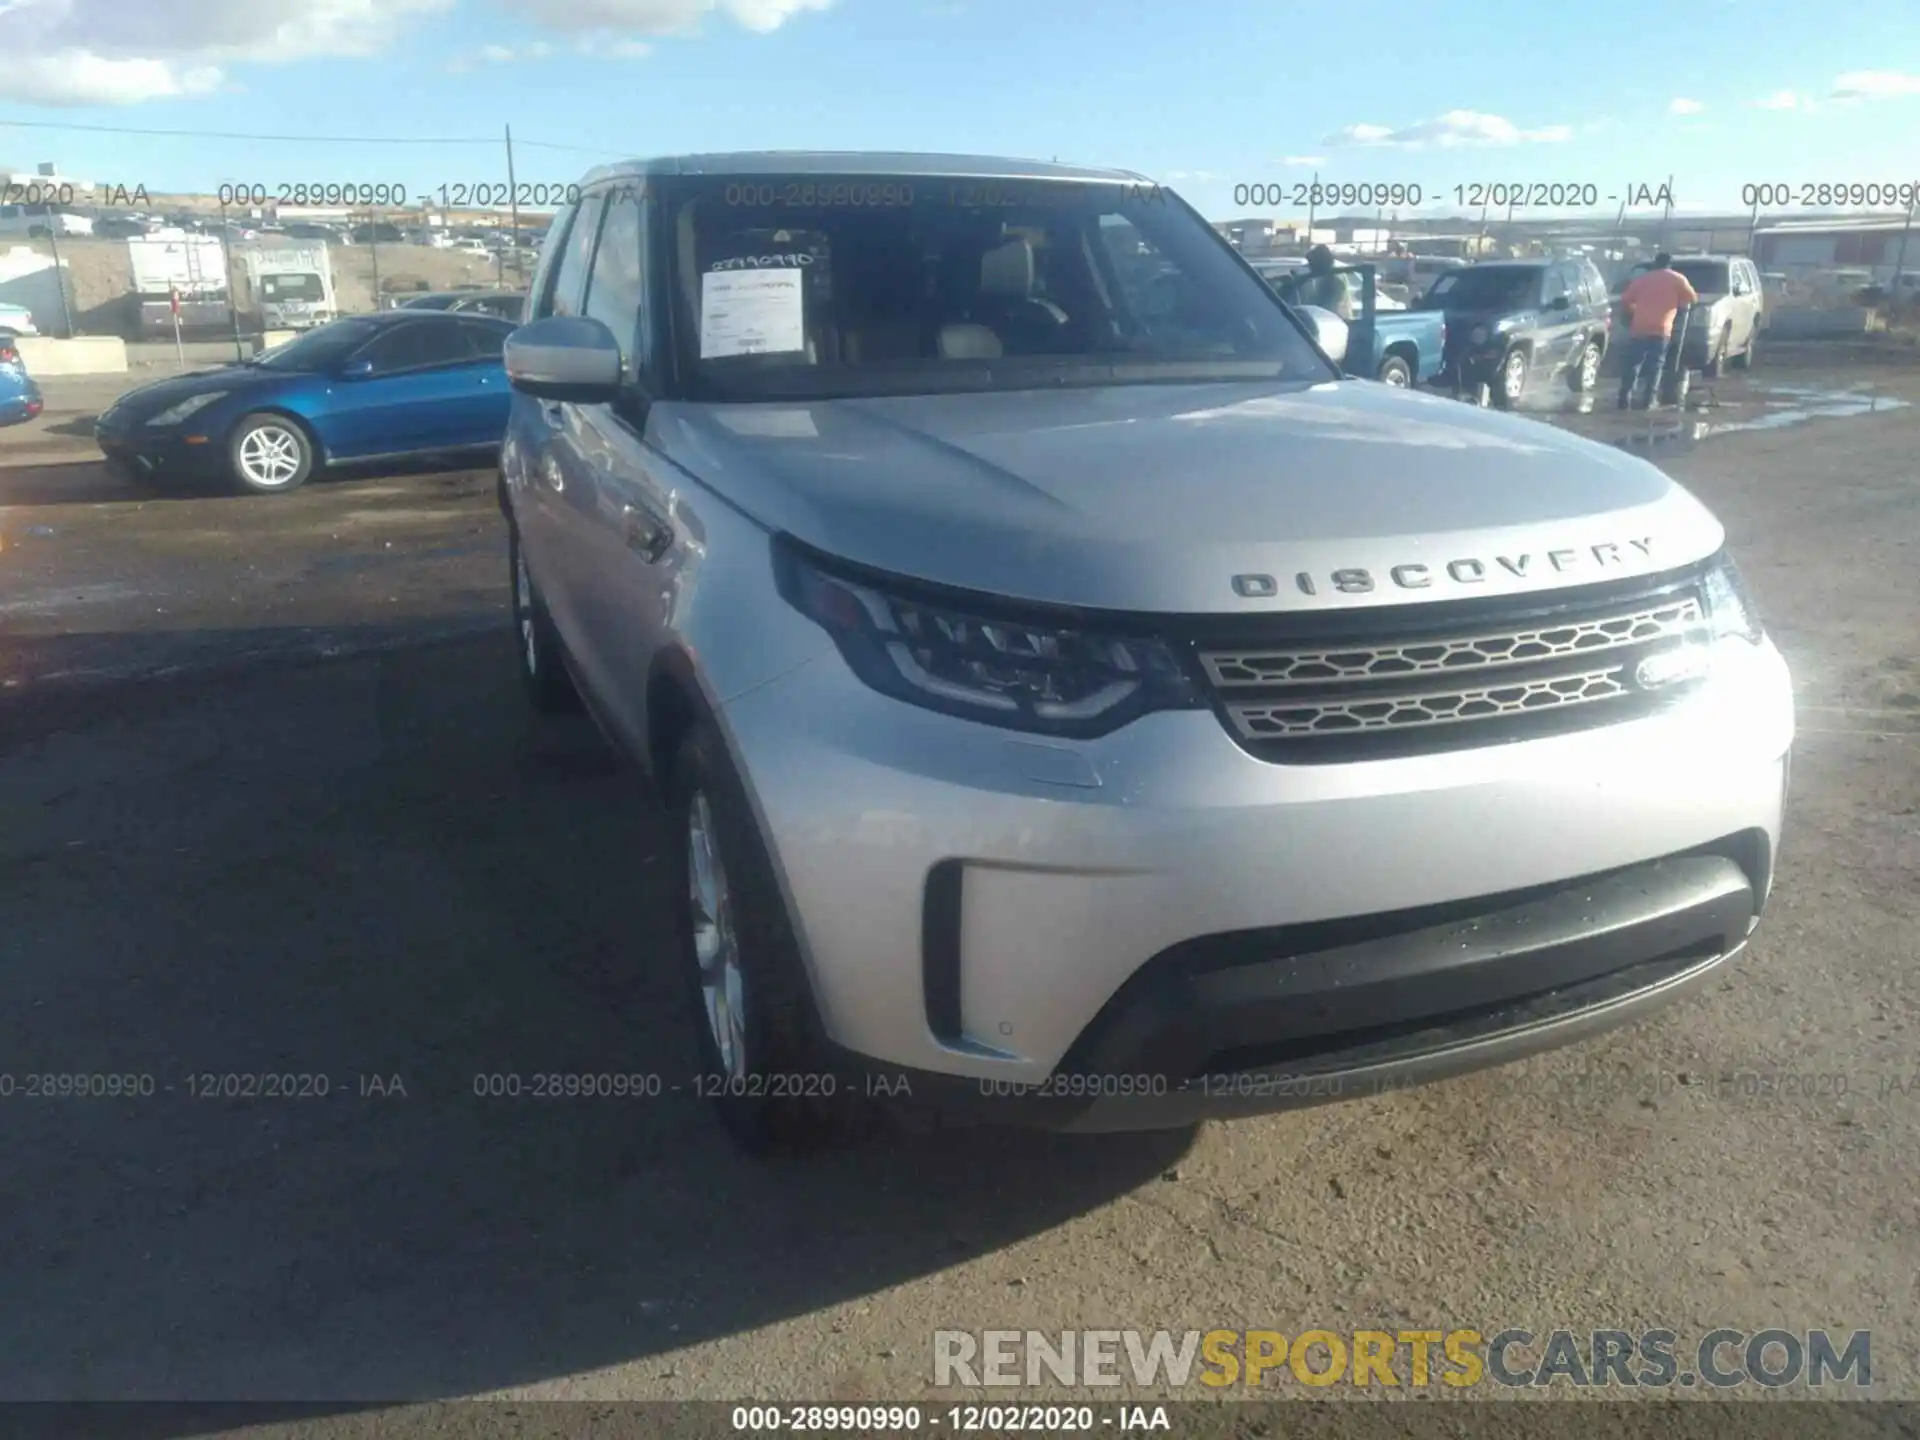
[[1651, 302]]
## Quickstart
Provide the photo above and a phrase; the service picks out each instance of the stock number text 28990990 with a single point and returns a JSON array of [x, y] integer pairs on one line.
[[312, 192]]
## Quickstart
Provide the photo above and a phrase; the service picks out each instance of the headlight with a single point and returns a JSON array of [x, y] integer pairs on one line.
[[1029, 672], [192, 405], [1730, 609]]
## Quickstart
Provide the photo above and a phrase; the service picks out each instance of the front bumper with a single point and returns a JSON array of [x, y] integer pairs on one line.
[[1156, 926], [157, 454]]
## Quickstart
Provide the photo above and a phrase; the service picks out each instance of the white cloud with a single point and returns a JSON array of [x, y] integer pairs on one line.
[[1307, 161], [659, 17], [1874, 85], [1784, 100], [122, 52], [1454, 129], [1683, 106]]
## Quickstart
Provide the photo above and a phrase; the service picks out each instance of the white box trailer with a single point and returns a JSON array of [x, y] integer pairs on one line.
[[172, 263], [288, 287]]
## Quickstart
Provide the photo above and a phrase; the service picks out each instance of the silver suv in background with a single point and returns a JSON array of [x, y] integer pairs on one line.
[[1724, 328], [1072, 697]]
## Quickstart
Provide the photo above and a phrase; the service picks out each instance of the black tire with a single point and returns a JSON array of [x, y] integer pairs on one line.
[[1744, 360], [1584, 374], [263, 434], [1510, 379], [542, 654], [1395, 372], [779, 1096], [1717, 361]]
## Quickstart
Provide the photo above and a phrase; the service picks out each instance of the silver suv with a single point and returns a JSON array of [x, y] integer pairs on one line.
[[1071, 695]]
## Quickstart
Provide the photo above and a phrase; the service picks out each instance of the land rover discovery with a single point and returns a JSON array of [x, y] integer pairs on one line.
[[1070, 694]]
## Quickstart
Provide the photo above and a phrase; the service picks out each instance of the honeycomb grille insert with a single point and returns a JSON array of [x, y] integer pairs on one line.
[[1230, 670], [1289, 719], [1315, 700]]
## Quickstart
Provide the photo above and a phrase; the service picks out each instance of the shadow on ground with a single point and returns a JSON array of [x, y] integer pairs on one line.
[[381, 877]]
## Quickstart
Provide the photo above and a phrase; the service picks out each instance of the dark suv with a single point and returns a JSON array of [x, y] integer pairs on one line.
[[1510, 322]]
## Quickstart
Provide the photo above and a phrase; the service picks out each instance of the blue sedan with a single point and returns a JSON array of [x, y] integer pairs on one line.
[[395, 385], [19, 396]]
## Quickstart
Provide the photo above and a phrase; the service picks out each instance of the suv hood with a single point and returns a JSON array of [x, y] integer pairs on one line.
[[1157, 497]]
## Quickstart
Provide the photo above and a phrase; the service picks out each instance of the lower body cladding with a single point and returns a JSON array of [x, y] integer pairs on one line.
[[1156, 927]]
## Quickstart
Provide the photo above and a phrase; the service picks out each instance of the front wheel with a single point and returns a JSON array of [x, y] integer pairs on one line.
[[1510, 382], [1716, 362], [543, 670], [1744, 360], [269, 453], [747, 986], [1394, 372], [1586, 372]]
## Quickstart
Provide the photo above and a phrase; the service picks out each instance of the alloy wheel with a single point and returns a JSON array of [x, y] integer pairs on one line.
[[270, 455], [523, 608], [1513, 375], [716, 945]]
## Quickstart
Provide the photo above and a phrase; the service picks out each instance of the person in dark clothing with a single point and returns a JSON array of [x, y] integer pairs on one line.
[[1323, 287]]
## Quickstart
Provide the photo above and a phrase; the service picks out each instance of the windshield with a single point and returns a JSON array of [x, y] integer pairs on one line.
[[291, 287], [319, 349], [1709, 277], [430, 302], [796, 289], [1484, 287]]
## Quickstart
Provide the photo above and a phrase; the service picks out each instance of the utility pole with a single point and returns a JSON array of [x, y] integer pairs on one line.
[[1753, 221], [1313, 194], [1666, 214], [1900, 259], [513, 205], [373, 253], [227, 258], [59, 276]]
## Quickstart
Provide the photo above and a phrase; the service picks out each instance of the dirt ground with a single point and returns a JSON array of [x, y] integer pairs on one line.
[[222, 851]]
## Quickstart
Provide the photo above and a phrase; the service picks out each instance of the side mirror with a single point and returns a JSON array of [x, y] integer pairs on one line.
[[565, 357], [1560, 302], [356, 370], [1329, 331]]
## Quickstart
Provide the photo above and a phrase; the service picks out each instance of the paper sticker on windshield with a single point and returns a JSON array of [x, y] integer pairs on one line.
[[752, 312]]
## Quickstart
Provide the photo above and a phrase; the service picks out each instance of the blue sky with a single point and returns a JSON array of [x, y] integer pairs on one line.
[[1206, 96]]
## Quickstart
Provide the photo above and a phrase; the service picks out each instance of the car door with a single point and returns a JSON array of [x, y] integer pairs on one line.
[[541, 463], [415, 397], [626, 505], [1744, 286], [482, 417], [1560, 328]]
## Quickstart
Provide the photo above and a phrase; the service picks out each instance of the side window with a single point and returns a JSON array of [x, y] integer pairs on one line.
[[570, 276], [412, 347], [488, 342], [1560, 281], [1596, 283], [616, 293]]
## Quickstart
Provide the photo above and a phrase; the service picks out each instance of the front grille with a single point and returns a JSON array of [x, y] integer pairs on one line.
[[1422, 685]]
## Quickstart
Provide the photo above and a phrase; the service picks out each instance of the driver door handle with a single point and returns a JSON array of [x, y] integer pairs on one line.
[[647, 534]]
